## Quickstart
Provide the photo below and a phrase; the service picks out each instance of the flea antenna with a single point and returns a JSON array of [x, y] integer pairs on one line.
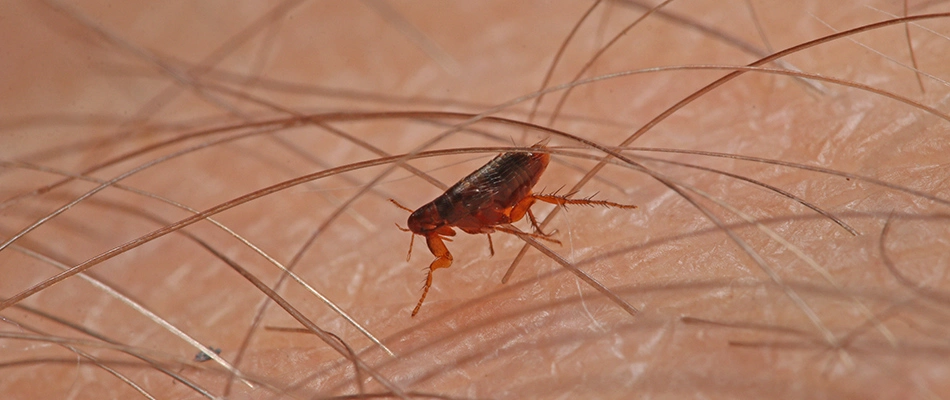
[[400, 206]]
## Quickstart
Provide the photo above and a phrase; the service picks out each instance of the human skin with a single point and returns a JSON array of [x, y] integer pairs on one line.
[[821, 313]]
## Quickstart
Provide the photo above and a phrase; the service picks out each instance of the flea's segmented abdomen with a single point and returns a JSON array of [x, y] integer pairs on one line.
[[500, 183]]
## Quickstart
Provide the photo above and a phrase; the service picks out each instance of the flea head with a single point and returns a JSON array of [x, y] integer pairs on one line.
[[425, 220]]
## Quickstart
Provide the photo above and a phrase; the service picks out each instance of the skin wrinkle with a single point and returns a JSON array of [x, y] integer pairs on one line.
[[711, 324]]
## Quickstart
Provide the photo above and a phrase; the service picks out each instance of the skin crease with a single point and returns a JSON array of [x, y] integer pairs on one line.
[[712, 324]]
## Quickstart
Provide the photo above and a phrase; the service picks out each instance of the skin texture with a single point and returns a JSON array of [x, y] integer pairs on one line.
[[86, 83]]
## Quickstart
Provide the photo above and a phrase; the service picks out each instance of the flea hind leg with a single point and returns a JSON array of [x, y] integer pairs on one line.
[[518, 232], [443, 260], [524, 207], [565, 200]]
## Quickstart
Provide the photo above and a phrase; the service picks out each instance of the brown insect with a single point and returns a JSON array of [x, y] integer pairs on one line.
[[496, 194]]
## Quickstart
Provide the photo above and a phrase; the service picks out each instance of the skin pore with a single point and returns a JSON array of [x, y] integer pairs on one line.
[[784, 303]]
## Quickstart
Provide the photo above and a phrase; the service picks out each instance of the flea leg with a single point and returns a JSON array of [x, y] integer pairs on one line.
[[564, 200], [534, 223], [519, 232], [520, 209], [517, 213], [491, 248], [412, 240], [443, 260]]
